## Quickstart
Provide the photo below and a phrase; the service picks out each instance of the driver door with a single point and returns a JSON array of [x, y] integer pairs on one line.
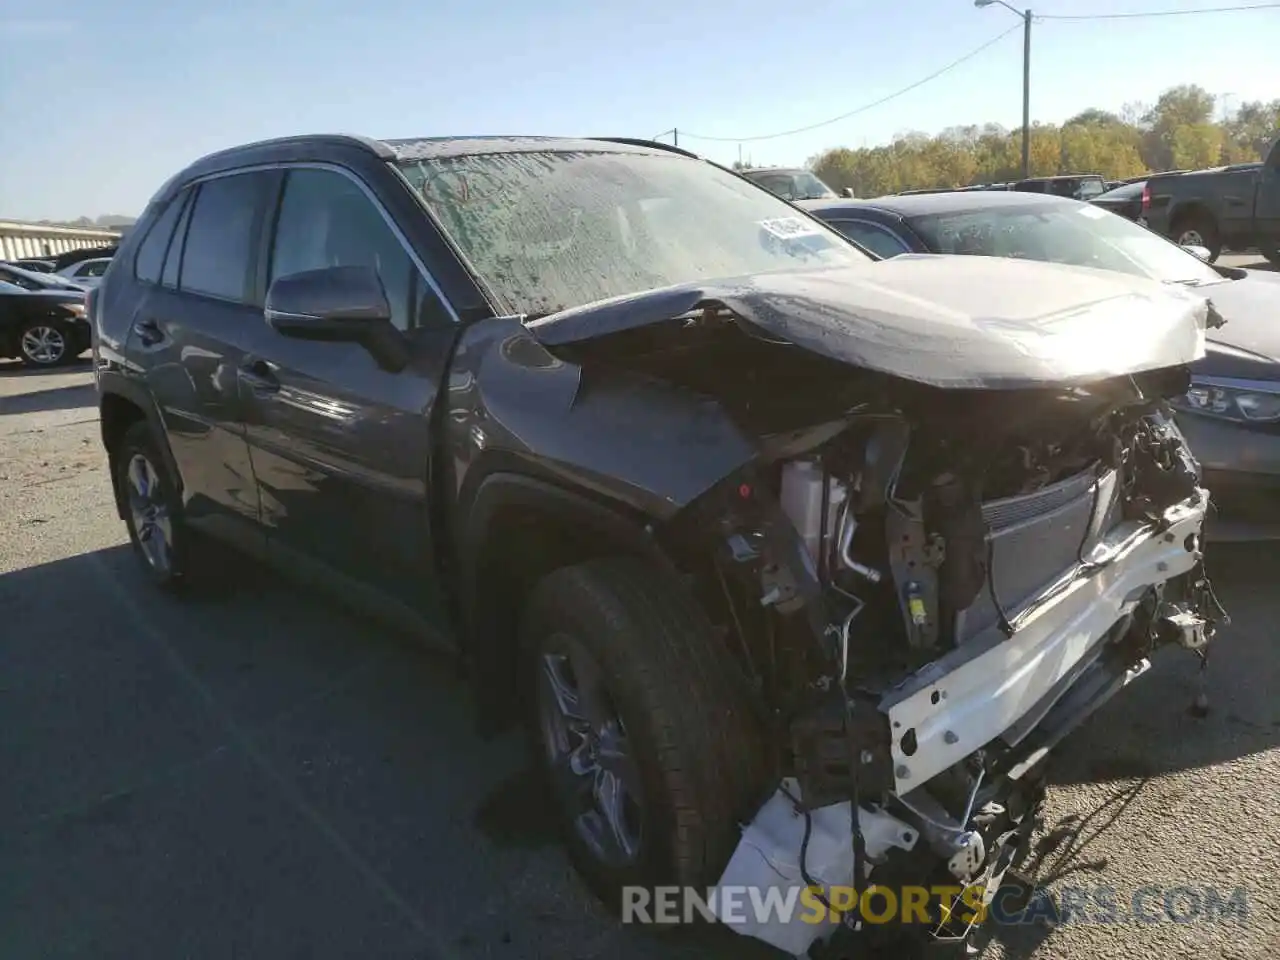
[[341, 448]]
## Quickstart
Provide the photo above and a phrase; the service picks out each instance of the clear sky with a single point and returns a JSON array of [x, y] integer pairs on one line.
[[101, 100]]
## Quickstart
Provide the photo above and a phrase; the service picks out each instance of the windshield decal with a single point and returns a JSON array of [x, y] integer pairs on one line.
[[790, 228], [1093, 213]]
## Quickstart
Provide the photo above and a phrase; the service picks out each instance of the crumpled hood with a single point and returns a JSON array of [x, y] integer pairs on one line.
[[977, 322]]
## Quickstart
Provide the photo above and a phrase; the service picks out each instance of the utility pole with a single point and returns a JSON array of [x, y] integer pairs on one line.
[[675, 137], [1026, 94], [1026, 79]]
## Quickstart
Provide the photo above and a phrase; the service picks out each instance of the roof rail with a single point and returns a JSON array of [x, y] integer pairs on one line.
[[654, 144], [376, 147]]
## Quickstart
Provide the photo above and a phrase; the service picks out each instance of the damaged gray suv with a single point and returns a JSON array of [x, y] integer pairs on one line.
[[749, 529]]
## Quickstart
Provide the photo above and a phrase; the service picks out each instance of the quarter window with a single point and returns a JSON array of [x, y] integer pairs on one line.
[[173, 261], [150, 258], [220, 237], [327, 220]]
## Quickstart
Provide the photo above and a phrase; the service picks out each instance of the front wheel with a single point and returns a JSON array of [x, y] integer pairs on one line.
[[642, 725]]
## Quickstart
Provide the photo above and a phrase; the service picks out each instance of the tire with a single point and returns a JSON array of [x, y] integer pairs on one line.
[[143, 482], [697, 755], [45, 343], [1198, 229]]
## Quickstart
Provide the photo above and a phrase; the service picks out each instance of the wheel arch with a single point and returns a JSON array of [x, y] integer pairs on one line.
[[1188, 210], [518, 529], [121, 404]]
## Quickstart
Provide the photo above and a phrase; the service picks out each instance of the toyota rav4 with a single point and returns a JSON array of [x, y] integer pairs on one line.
[[750, 529]]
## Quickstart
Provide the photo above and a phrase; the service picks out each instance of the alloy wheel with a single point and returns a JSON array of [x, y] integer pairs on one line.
[[43, 344], [150, 513], [594, 772]]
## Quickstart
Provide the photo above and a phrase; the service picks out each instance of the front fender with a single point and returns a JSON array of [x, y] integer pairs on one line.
[[639, 442]]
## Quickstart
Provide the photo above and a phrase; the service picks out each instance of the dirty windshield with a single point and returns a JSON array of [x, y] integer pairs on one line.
[[547, 231]]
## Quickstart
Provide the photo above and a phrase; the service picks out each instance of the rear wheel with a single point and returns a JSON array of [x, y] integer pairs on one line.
[[1198, 230], [151, 506], [45, 343], [647, 740]]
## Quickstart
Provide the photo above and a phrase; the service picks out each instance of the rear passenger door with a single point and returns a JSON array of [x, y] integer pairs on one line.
[[341, 447], [192, 330]]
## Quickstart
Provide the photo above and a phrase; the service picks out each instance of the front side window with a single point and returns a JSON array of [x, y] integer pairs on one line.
[[220, 237], [874, 237], [1080, 234], [546, 231], [94, 268], [326, 220]]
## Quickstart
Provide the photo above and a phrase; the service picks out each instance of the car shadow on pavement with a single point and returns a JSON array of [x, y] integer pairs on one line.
[[253, 765], [69, 397]]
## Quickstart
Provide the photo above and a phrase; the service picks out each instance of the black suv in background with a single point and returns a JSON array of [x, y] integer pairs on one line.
[[663, 447]]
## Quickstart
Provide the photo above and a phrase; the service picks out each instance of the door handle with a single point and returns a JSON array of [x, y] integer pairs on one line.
[[149, 331], [259, 375]]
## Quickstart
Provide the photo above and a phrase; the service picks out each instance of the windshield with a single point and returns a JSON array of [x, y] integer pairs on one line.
[[551, 230], [1079, 234], [1089, 189], [809, 187], [30, 280]]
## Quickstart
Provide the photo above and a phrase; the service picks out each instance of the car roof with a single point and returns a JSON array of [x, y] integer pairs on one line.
[[953, 201], [405, 150]]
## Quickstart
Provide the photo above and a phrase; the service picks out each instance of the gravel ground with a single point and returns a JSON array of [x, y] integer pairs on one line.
[[256, 774]]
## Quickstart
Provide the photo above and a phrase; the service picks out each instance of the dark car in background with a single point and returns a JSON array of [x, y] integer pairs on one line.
[[1235, 207], [1127, 199], [64, 260], [790, 183], [42, 319], [1077, 186], [33, 265], [1231, 415]]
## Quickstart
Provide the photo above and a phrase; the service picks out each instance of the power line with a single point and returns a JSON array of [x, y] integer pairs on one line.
[[844, 116], [1156, 13]]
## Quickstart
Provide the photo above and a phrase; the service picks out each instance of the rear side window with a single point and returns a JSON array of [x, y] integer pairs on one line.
[[150, 259], [220, 238], [94, 268]]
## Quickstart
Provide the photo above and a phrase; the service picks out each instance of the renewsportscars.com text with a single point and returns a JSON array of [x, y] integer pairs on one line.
[[1067, 904]]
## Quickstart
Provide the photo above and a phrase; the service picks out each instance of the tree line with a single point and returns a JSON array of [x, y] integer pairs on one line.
[[1184, 129]]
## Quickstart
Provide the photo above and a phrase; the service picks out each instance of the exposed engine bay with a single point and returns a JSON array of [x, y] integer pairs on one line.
[[928, 590]]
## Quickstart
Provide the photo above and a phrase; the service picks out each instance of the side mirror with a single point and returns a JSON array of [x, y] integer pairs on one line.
[[1197, 251], [847, 192], [337, 304]]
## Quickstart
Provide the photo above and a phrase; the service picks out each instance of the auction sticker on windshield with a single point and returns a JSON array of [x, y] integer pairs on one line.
[[790, 228], [1093, 213]]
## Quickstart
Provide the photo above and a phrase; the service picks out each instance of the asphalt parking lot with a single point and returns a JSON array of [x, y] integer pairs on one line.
[[255, 773]]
